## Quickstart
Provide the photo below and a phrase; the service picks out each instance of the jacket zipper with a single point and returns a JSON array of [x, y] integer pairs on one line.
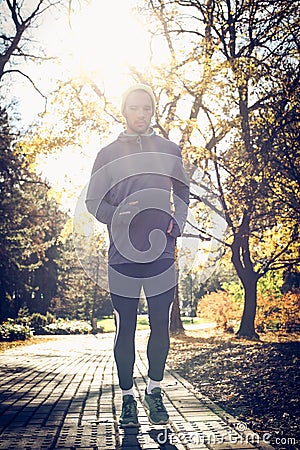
[[139, 141]]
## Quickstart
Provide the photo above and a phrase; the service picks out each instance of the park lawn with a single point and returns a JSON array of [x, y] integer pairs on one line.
[[107, 324]]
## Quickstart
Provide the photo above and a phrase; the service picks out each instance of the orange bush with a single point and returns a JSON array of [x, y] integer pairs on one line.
[[279, 313], [273, 311], [221, 308]]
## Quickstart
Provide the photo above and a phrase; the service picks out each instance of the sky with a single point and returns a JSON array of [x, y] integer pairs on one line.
[[100, 41]]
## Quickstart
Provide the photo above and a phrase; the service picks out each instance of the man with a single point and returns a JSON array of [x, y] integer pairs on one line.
[[135, 182]]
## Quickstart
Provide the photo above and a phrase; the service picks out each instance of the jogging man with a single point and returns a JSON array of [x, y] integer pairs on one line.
[[139, 188]]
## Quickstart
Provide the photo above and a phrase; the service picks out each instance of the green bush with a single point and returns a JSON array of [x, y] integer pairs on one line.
[[17, 329], [61, 326], [38, 322], [11, 331]]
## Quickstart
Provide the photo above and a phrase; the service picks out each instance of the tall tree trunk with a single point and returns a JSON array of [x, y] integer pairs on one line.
[[95, 296], [247, 325], [176, 326], [3, 313], [244, 267]]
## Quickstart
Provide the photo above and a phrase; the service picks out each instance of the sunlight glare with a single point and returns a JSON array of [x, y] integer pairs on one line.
[[106, 39]]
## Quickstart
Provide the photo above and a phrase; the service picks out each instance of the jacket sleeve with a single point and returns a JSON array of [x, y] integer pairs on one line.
[[97, 198], [181, 194]]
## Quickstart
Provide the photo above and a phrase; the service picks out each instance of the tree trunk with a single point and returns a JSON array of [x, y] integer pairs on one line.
[[3, 316], [244, 266], [176, 326], [95, 296], [247, 325]]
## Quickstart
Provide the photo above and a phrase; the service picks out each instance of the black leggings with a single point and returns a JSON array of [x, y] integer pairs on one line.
[[125, 310]]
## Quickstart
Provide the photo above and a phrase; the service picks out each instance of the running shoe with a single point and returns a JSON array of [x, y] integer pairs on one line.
[[157, 412], [128, 416]]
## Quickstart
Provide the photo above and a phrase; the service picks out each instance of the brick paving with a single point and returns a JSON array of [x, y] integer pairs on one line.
[[63, 394]]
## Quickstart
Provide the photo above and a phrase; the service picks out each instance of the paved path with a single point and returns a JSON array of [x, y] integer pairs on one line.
[[63, 394]]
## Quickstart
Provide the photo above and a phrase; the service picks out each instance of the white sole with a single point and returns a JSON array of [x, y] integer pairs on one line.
[[130, 425]]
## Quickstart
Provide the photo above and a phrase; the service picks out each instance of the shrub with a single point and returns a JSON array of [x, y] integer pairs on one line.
[[38, 322], [23, 316], [273, 311], [290, 315], [278, 312], [11, 331], [61, 326], [220, 307]]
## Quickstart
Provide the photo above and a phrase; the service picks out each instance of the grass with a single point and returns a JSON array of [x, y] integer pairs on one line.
[[108, 324]]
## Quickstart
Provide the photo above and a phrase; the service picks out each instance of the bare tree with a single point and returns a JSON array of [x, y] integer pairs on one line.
[[18, 20]]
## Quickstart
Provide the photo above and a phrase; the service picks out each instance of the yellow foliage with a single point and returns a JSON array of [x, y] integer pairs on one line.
[[67, 230]]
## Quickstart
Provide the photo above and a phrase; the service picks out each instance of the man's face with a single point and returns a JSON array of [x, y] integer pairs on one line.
[[138, 112]]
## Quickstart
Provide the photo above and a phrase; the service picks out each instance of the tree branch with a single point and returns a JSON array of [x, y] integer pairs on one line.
[[210, 236], [28, 78], [277, 256]]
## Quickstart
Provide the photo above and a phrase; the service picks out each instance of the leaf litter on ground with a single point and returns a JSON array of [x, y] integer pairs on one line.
[[255, 381]]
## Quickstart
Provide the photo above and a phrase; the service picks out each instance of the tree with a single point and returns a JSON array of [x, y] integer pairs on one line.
[[17, 45], [231, 72], [30, 225], [33, 262], [256, 60]]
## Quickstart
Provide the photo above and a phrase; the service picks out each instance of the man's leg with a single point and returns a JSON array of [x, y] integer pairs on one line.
[[125, 311], [159, 309], [122, 280], [125, 292]]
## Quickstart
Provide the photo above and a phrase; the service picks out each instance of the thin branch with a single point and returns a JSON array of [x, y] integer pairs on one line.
[[34, 57], [205, 233], [38, 11], [69, 14], [14, 16], [194, 196], [277, 256], [28, 78], [30, 181], [222, 196], [101, 94]]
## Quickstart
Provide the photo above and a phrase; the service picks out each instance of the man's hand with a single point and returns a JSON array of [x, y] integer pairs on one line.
[[173, 229], [170, 227]]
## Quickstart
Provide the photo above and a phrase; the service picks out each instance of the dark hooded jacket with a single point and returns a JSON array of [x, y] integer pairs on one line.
[[146, 170]]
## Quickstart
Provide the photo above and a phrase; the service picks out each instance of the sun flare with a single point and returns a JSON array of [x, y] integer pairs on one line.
[[106, 38], [102, 41]]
